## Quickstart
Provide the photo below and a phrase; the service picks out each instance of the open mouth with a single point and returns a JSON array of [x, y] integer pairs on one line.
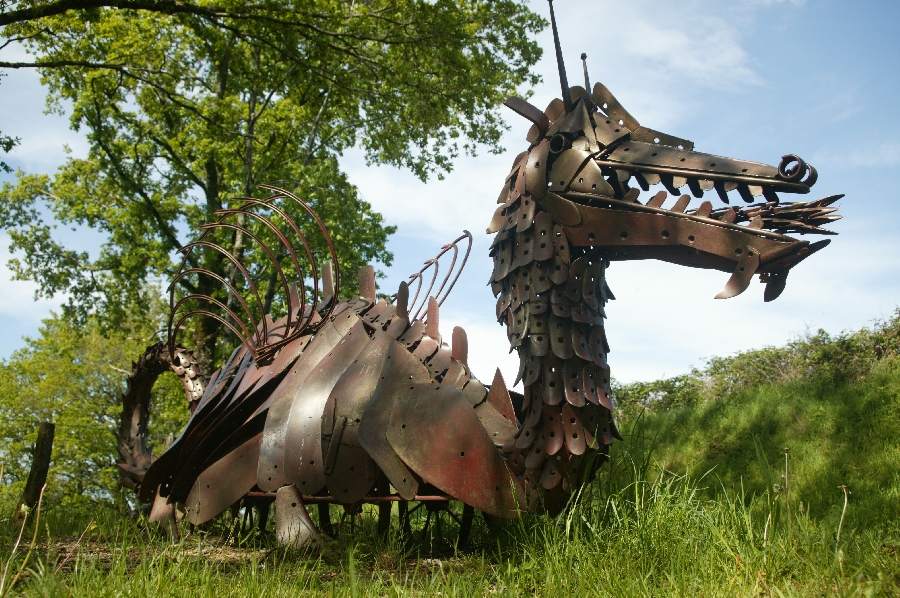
[[588, 166]]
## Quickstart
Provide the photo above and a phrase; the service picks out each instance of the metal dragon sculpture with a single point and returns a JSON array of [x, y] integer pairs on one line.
[[361, 400]]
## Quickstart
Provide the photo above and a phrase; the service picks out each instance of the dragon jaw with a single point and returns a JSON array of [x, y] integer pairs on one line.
[[581, 162]]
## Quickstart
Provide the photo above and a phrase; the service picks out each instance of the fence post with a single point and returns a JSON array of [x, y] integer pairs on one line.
[[40, 465]]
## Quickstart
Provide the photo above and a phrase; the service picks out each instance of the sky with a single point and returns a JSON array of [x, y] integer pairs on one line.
[[748, 79]]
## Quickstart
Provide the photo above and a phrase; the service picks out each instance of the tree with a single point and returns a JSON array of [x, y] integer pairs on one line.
[[187, 104], [73, 376]]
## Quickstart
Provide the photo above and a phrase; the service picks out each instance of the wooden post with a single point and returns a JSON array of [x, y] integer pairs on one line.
[[40, 465]]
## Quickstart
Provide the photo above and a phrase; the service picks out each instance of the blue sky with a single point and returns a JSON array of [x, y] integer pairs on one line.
[[745, 79]]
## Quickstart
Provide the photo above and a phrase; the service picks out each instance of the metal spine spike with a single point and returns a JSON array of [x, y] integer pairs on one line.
[[419, 300], [248, 321]]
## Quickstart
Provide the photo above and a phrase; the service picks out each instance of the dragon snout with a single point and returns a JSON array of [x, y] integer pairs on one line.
[[586, 168]]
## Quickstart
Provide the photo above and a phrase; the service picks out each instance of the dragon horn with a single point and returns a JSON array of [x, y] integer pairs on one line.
[[587, 81], [564, 83]]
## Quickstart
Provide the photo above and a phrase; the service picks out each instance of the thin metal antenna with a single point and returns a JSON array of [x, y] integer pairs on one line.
[[587, 82], [567, 99]]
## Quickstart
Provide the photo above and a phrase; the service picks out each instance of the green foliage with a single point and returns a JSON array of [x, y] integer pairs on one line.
[[834, 402], [186, 105], [73, 376]]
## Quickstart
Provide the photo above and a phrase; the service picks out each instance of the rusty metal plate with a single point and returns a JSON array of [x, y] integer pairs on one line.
[[649, 154], [590, 389], [511, 213], [285, 359], [552, 380], [552, 472], [498, 397], [540, 277], [590, 180], [536, 170], [538, 329], [457, 374], [564, 168], [401, 369], [271, 472], [598, 345], [553, 434], [347, 401], [576, 278], [499, 429], [293, 526], [474, 392], [524, 248], [592, 282], [540, 304], [497, 220], [561, 308], [504, 255], [223, 483], [532, 370], [353, 474], [426, 348], [439, 436], [573, 430], [525, 214], [561, 337], [574, 382], [543, 237], [516, 462], [537, 454], [580, 342], [413, 334], [559, 271], [303, 458], [439, 363]]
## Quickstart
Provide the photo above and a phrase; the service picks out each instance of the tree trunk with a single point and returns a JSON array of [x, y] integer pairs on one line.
[[40, 466]]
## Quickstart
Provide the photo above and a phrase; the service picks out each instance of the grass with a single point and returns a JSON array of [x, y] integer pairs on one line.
[[639, 530], [694, 502]]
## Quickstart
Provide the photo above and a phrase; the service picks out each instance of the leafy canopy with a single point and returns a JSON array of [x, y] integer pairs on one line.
[[185, 105]]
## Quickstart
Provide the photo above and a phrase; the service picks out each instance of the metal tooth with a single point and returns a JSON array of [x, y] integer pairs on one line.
[[720, 189], [745, 193], [632, 196], [694, 186]]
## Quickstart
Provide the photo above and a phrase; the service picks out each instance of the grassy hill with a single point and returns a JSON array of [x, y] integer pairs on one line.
[[833, 402], [693, 502]]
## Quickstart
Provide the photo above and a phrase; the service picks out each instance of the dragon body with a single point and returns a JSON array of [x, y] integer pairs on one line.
[[362, 399]]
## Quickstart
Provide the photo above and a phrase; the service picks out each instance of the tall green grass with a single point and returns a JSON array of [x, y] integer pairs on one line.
[[694, 502]]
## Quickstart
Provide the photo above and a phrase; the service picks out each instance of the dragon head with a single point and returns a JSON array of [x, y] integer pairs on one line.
[[589, 160]]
